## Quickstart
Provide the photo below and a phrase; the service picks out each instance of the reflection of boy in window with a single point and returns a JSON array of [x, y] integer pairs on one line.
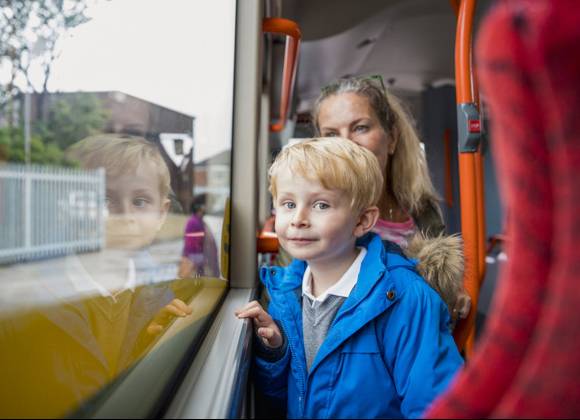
[[104, 310], [137, 195], [199, 256], [138, 186]]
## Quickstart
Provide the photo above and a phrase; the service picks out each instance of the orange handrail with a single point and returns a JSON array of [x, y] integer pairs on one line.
[[468, 178], [479, 166], [463, 52], [293, 36], [268, 242]]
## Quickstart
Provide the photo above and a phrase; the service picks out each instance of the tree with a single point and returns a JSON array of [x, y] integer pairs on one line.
[[12, 149], [29, 33], [14, 17], [71, 119]]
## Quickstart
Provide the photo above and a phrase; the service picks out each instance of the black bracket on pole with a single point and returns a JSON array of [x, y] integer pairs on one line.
[[468, 128]]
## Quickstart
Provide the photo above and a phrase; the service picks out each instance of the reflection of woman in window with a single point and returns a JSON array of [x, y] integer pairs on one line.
[[199, 257]]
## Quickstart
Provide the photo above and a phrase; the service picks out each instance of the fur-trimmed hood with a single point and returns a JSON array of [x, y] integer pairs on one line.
[[440, 261]]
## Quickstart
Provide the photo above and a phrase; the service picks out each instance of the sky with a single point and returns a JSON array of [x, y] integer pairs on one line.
[[174, 53]]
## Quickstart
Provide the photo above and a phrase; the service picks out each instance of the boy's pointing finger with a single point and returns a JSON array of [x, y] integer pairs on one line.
[[256, 313], [247, 306], [249, 313]]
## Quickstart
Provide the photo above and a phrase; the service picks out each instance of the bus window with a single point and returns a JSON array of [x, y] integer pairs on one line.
[[115, 158]]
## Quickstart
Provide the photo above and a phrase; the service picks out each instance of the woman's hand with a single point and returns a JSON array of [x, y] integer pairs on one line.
[[264, 325], [462, 306]]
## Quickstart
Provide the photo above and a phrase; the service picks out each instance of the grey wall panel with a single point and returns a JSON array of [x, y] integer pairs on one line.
[[439, 113]]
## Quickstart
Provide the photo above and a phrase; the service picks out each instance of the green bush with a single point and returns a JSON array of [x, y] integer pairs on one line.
[[12, 149]]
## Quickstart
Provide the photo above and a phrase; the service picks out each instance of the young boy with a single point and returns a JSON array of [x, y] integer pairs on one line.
[[352, 329]]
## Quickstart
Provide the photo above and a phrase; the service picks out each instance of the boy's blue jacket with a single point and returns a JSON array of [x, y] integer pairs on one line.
[[388, 352]]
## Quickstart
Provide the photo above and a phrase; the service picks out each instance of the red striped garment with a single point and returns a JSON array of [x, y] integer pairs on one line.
[[527, 364]]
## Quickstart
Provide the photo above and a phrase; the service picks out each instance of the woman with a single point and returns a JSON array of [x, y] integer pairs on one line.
[[361, 110]]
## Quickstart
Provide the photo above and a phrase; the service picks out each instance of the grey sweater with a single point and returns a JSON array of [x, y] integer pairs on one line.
[[316, 320]]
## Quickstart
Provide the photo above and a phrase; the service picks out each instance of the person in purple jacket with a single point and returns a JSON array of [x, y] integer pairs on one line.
[[199, 257]]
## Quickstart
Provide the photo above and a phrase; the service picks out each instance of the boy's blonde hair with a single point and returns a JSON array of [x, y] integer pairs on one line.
[[120, 154], [408, 174], [336, 163]]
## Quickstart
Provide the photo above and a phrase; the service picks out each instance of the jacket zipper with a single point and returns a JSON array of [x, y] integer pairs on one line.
[[301, 390], [301, 382]]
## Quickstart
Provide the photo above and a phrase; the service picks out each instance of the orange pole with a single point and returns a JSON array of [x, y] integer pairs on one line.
[[292, 31], [479, 173], [481, 240], [465, 332], [479, 182]]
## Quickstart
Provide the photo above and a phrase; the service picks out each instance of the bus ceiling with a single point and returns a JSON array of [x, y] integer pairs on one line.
[[409, 42]]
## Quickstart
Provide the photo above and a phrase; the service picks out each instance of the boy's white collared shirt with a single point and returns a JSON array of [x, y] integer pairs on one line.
[[342, 287], [83, 282]]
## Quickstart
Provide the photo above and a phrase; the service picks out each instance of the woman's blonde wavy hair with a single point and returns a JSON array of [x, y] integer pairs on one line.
[[408, 174]]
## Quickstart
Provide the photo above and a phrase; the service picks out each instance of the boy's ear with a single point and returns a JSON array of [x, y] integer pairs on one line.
[[165, 206], [366, 221], [163, 214]]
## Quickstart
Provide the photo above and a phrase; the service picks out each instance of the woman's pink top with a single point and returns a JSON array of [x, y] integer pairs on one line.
[[397, 232]]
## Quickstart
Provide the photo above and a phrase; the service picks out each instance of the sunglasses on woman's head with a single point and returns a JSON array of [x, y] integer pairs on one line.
[[374, 79]]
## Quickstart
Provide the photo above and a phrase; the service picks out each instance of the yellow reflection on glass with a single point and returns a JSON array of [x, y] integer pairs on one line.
[[87, 318], [56, 356]]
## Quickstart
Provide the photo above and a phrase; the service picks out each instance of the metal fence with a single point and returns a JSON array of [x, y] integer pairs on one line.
[[46, 211]]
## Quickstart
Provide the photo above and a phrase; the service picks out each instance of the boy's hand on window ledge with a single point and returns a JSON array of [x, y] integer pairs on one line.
[[176, 308], [265, 326]]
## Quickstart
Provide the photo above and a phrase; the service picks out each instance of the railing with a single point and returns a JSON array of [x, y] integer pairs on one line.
[[470, 170], [47, 212], [293, 36]]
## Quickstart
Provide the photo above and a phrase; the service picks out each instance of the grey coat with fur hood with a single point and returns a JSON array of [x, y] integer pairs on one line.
[[440, 257]]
